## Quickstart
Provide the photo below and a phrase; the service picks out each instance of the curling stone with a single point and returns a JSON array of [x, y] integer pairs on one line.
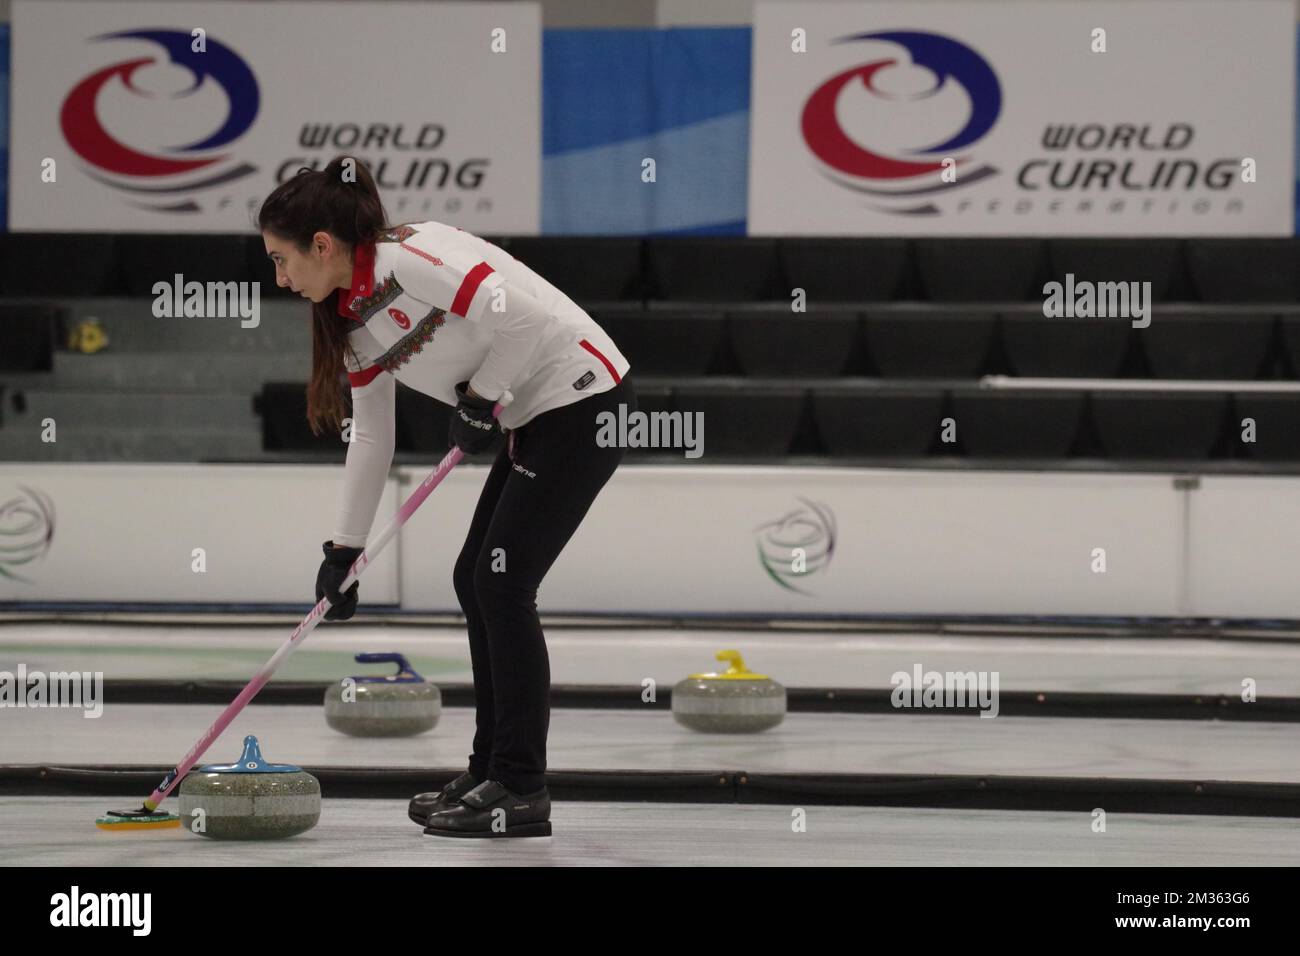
[[249, 800], [737, 701], [393, 705]]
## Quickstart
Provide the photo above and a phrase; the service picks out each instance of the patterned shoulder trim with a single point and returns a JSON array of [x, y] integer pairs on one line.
[[396, 234], [364, 306], [412, 342]]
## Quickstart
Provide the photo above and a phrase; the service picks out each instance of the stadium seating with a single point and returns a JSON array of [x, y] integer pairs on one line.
[[794, 348]]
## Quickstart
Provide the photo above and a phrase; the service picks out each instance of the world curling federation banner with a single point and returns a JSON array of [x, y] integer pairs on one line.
[[181, 117], [1015, 118]]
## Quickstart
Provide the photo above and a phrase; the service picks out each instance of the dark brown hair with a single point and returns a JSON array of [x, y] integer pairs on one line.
[[297, 209]]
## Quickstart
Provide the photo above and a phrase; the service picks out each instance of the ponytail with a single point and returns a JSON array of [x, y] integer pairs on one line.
[[350, 210]]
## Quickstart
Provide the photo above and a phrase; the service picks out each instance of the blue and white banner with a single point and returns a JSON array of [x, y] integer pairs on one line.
[[1099, 161], [645, 132]]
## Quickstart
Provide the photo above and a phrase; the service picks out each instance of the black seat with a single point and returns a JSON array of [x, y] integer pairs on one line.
[[842, 269], [1158, 261], [929, 343], [148, 258], [1159, 425], [743, 420], [981, 270], [1199, 345], [714, 269], [1017, 423], [667, 342], [867, 421], [585, 268], [1244, 270], [283, 407], [816, 344], [1276, 417], [1063, 348], [58, 264], [27, 337], [422, 424], [1289, 328]]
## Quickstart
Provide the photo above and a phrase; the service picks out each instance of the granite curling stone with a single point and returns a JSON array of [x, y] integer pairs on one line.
[[249, 800], [737, 701], [393, 705]]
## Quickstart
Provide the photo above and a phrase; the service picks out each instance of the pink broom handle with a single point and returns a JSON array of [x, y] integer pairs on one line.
[[308, 623]]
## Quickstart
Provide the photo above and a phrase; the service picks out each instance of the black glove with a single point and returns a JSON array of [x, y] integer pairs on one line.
[[473, 429], [331, 574]]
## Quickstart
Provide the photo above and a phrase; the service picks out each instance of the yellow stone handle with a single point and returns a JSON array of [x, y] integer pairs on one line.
[[735, 671], [737, 662]]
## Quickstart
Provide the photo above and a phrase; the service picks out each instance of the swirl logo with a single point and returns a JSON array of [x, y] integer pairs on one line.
[[931, 101], [398, 316], [797, 544], [26, 531], [159, 177]]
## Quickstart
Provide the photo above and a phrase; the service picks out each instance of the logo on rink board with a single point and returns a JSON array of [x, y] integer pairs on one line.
[[797, 544], [26, 530]]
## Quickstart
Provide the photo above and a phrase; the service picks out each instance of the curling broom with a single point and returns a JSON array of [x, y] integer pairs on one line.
[[149, 817]]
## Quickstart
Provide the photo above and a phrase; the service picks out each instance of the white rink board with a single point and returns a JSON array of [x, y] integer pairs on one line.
[[679, 539], [123, 532], [1245, 555], [666, 538]]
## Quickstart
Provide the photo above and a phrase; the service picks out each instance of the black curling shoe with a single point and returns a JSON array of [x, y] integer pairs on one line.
[[423, 804], [490, 810]]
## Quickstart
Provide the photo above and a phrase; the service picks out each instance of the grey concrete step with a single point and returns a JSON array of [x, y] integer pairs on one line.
[[138, 409], [131, 444], [240, 372], [283, 328]]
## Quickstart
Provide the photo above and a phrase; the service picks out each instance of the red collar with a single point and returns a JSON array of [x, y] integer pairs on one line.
[[363, 280]]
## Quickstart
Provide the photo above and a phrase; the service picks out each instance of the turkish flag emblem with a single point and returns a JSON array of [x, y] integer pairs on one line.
[[400, 318]]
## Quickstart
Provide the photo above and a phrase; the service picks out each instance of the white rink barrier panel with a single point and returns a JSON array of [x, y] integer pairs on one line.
[[681, 539]]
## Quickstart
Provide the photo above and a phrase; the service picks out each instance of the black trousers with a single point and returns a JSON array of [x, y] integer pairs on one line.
[[529, 508]]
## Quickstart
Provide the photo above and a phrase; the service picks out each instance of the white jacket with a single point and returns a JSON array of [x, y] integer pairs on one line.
[[433, 305]]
